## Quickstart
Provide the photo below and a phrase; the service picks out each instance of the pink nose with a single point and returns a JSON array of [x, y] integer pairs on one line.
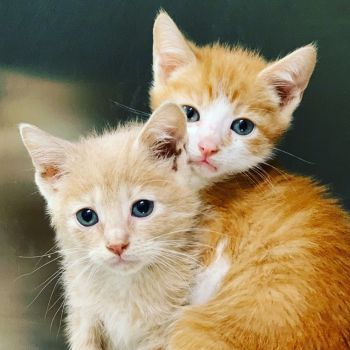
[[207, 148], [117, 249]]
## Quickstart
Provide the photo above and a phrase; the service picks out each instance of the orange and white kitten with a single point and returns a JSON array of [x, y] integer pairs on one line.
[[278, 275], [123, 215], [237, 104]]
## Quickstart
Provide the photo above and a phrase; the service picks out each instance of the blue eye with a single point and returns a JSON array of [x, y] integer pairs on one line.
[[242, 126], [142, 208], [192, 114], [87, 217]]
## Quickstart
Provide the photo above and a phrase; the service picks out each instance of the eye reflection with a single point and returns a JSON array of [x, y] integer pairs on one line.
[[192, 113], [242, 126], [87, 217], [142, 208]]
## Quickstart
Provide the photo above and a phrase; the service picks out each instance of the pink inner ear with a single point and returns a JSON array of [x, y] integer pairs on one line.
[[166, 148], [285, 90], [49, 172], [168, 68]]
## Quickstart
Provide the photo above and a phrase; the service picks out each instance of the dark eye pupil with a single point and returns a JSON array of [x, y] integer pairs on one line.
[[87, 217], [142, 208], [242, 126], [191, 113]]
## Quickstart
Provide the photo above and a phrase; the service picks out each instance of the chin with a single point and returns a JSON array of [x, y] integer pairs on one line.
[[202, 177], [123, 267]]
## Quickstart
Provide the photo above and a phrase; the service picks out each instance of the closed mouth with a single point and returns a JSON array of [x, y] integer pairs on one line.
[[120, 261], [204, 163]]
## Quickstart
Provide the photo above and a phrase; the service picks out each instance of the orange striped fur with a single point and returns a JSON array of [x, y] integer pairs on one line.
[[288, 284], [287, 241]]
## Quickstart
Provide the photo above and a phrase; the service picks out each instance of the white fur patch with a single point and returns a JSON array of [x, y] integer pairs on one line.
[[209, 280]]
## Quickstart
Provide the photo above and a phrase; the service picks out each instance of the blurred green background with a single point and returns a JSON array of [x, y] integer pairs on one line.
[[62, 63]]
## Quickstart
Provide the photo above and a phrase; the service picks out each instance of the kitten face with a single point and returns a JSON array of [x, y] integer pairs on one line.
[[215, 149], [116, 200], [237, 104], [113, 198]]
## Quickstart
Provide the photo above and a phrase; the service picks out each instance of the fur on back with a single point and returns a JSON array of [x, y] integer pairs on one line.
[[289, 253]]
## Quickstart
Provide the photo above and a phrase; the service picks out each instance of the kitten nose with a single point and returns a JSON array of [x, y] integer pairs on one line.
[[207, 148], [117, 249]]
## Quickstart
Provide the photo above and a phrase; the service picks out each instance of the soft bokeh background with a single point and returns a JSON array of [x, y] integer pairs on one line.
[[63, 62]]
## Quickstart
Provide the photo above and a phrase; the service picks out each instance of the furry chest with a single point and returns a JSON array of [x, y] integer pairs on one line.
[[123, 331], [209, 280], [131, 323]]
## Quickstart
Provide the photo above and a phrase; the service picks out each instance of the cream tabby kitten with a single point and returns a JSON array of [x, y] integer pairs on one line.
[[124, 216], [278, 275]]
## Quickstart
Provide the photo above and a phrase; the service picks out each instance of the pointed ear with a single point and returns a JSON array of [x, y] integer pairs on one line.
[[290, 76], [170, 48], [165, 133], [48, 155]]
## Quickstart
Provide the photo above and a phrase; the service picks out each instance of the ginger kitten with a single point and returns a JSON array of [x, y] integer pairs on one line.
[[278, 275], [124, 215], [237, 104]]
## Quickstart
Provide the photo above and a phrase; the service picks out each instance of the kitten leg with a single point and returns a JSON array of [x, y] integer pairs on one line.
[[84, 331]]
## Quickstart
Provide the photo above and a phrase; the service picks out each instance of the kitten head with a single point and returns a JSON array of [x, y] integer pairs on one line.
[[237, 104], [120, 200]]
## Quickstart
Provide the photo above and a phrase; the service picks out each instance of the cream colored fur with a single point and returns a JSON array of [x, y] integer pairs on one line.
[[113, 304]]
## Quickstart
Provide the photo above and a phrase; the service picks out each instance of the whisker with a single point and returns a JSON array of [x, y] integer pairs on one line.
[[177, 254], [130, 109], [293, 155], [37, 256], [51, 279], [48, 308], [154, 181], [81, 273], [264, 176], [48, 251], [166, 264], [172, 232], [37, 269], [184, 243], [59, 298], [53, 275], [54, 316], [281, 172], [59, 326], [210, 231], [250, 178]]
